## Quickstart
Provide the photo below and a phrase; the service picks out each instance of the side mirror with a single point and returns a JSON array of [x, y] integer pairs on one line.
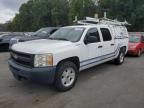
[[91, 39]]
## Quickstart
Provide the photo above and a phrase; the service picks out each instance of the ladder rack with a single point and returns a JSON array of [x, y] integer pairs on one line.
[[93, 21]]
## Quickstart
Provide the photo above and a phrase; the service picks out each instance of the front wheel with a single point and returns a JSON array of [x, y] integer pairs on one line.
[[120, 59], [66, 76]]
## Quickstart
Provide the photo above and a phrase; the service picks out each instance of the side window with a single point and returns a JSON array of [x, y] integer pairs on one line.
[[53, 31], [93, 32], [106, 34]]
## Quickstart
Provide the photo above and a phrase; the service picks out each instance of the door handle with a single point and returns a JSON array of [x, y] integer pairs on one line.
[[112, 44], [100, 46]]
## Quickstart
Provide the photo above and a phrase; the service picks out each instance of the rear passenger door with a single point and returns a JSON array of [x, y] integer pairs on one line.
[[108, 42]]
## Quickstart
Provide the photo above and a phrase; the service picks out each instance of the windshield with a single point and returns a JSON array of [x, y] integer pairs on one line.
[[72, 34], [134, 39], [42, 32]]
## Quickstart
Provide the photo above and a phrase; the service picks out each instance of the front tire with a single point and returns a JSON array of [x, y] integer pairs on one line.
[[120, 59], [66, 76]]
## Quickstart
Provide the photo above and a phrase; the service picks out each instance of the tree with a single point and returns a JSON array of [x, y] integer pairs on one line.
[[130, 10], [23, 20], [81, 9], [41, 13]]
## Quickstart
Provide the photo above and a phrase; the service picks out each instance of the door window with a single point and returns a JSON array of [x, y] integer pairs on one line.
[[53, 31], [106, 34], [93, 32]]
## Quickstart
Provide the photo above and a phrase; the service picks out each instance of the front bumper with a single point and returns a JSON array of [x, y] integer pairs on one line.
[[4, 46], [44, 75]]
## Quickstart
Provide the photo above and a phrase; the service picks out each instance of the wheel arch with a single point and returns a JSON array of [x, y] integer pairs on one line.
[[74, 59], [123, 49]]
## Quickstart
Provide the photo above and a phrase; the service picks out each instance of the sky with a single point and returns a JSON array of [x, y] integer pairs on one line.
[[8, 9]]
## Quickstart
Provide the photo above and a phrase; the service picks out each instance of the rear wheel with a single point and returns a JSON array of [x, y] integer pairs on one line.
[[66, 76], [120, 59]]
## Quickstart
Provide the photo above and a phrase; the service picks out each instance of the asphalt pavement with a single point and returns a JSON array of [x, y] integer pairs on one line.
[[103, 86]]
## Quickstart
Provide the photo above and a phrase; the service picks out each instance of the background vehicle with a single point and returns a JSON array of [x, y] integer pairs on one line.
[[40, 34], [69, 50], [5, 40], [136, 44]]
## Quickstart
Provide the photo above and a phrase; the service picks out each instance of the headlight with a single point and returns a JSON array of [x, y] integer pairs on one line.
[[14, 40], [43, 60]]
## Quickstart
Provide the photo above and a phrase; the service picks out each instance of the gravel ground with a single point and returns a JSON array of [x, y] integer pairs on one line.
[[104, 86]]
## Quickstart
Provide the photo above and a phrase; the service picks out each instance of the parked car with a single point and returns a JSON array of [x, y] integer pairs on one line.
[[43, 33], [136, 44], [5, 40], [69, 50], [1, 33]]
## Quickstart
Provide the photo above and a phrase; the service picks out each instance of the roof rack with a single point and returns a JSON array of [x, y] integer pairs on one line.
[[93, 21]]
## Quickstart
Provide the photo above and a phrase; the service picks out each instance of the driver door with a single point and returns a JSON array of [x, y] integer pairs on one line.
[[93, 48]]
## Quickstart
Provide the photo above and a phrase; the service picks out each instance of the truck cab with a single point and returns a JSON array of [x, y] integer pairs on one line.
[[68, 51]]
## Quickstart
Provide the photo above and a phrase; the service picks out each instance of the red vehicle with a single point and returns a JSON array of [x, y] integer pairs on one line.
[[136, 44]]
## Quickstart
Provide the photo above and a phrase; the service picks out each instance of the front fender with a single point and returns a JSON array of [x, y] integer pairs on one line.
[[65, 54]]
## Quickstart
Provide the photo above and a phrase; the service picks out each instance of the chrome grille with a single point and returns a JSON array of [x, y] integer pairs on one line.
[[22, 58]]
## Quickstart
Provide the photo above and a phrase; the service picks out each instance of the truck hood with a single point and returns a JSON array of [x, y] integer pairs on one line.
[[41, 46]]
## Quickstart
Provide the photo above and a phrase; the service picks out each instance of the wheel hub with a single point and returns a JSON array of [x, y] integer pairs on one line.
[[68, 77]]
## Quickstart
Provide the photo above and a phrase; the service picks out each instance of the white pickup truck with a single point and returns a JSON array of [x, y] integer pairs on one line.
[[71, 49]]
